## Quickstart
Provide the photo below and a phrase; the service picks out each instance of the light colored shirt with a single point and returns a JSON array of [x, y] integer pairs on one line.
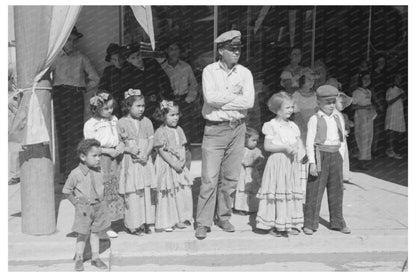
[[182, 78], [227, 95], [332, 136], [73, 69], [103, 130], [85, 183]]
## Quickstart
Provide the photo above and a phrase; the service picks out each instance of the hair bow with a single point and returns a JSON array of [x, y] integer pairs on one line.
[[104, 95], [166, 104], [97, 101], [132, 92]]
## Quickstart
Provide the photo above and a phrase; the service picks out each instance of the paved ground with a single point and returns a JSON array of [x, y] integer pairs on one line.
[[375, 210]]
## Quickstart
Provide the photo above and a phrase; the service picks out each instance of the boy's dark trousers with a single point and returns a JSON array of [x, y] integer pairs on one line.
[[329, 177]]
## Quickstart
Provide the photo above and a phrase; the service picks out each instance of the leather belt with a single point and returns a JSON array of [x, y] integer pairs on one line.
[[231, 123]]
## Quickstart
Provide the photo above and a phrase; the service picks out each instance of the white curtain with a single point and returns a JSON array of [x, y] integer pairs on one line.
[[56, 26], [143, 15]]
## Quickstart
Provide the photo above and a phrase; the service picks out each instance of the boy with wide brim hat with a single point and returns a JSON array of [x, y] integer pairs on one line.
[[323, 142]]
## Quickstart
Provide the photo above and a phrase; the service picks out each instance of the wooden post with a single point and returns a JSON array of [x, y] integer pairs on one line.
[[313, 36], [369, 35], [215, 31], [36, 167], [37, 178]]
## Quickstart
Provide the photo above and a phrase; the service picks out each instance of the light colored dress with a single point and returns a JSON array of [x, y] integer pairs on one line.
[[363, 122], [281, 193], [174, 197], [105, 131], [137, 180], [395, 115], [305, 107], [249, 181]]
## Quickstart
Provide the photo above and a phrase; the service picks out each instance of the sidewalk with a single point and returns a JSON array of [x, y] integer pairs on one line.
[[375, 210]]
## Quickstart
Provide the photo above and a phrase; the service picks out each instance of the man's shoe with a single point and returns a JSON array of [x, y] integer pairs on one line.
[[201, 232], [99, 264], [226, 226], [307, 231], [344, 230], [79, 265]]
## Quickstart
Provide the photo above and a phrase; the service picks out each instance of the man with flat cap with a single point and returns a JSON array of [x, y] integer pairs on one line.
[[323, 148], [228, 91], [73, 75]]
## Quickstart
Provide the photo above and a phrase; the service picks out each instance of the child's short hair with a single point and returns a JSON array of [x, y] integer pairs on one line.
[[130, 97], [99, 100], [276, 100], [251, 132], [85, 145]]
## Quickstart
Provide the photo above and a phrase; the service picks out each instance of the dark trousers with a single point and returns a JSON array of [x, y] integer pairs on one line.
[[222, 153], [68, 107], [330, 178]]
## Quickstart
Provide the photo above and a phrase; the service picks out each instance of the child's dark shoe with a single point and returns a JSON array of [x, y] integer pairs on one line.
[[146, 229], [99, 264], [187, 223], [275, 233], [79, 265]]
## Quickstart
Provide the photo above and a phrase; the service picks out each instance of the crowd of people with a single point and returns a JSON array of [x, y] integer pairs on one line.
[[124, 170]]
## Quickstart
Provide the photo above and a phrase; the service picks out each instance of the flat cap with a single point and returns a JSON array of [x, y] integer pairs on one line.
[[327, 91], [232, 37]]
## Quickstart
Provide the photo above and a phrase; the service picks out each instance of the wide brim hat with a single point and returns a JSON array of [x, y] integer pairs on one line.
[[76, 33], [346, 100], [130, 49], [113, 48]]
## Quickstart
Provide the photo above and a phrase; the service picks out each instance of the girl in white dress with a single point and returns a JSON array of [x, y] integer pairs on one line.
[[280, 208], [395, 123]]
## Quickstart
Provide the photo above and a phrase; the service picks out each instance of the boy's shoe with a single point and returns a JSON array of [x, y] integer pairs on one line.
[[99, 264], [112, 234], [226, 226], [307, 231], [201, 232], [187, 223], [170, 229], [344, 230], [79, 265], [180, 225]]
